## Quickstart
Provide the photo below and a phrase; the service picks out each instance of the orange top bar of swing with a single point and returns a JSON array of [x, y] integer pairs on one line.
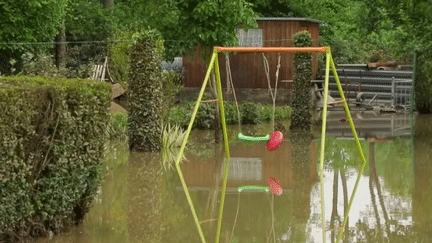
[[271, 49]]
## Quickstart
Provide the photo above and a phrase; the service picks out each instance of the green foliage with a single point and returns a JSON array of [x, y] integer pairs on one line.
[[207, 23], [118, 127], [250, 113], [145, 92], [59, 193], [301, 116], [172, 138], [43, 65], [282, 113], [119, 57], [171, 85], [180, 116], [423, 84], [205, 118], [15, 204], [30, 21], [52, 136], [395, 164], [231, 115], [88, 20]]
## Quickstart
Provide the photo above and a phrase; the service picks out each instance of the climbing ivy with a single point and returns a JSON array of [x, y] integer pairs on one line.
[[301, 116], [145, 92]]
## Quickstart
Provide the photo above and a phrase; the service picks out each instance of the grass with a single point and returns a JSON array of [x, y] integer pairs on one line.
[[118, 127], [172, 138]]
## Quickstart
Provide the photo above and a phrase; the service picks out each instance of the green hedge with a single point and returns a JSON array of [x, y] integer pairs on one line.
[[301, 117], [52, 135], [423, 84], [145, 93]]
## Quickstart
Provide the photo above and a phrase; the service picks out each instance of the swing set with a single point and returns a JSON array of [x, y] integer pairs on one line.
[[276, 138]]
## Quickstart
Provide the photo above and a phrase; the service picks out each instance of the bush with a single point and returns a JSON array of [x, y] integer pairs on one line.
[[206, 116], [119, 58], [145, 93], [282, 113], [231, 115], [118, 128], [301, 116], [52, 136], [43, 65], [171, 85], [180, 116], [423, 84], [250, 113]]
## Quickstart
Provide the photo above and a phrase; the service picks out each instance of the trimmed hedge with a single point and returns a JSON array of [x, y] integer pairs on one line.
[[423, 84], [301, 117], [145, 93], [52, 135]]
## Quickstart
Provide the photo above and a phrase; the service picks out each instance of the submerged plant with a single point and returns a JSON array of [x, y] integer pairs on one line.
[[172, 138]]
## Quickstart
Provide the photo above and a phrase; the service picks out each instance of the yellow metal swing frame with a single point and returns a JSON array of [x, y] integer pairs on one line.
[[214, 64]]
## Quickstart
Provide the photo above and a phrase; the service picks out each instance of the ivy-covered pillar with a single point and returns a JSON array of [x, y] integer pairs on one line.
[[423, 83], [301, 116], [145, 92]]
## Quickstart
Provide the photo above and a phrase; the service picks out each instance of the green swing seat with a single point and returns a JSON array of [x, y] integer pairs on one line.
[[253, 187], [241, 136]]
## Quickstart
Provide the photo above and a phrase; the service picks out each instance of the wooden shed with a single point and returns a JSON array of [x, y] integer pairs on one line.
[[247, 69]]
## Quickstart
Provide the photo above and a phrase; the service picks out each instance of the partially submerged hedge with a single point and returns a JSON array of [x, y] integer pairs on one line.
[[145, 93], [52, 135], [301, 116]]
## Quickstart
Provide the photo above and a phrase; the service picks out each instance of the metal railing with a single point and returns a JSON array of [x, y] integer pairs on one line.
[[402, 92]]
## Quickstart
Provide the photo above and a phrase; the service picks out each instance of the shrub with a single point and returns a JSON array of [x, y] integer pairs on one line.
[[301, 116], [118, 128], [250, 113], [145, 93], [423, 84], [180, 116], [171, 85], [119, 58], [282, 113], [206, 116], [52, 136], [231, 115]]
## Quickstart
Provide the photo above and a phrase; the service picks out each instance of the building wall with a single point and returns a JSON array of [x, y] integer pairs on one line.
[[247, 69]]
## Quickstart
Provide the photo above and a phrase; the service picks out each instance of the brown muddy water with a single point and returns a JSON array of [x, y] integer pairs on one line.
[[140, 202]]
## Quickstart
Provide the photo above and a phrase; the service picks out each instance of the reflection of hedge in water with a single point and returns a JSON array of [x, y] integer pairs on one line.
[[52, 136], [144, 197], [394, 161], [342, 154], [301, 195], [422, 193]]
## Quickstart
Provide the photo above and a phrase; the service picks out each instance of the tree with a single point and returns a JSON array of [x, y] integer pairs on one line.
[[27, 21], [198, 22], [204, 23]]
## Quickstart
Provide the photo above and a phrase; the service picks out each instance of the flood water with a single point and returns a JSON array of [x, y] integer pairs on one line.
[[140, 202]]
